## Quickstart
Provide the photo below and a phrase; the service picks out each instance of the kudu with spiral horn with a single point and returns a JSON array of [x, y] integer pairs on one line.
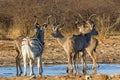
[[72, 45], [92, 41]]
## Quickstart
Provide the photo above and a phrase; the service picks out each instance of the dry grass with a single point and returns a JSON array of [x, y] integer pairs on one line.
[[16, 18], [106, 26]]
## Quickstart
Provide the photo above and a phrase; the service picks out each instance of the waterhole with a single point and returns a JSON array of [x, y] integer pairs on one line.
[[57, 70]]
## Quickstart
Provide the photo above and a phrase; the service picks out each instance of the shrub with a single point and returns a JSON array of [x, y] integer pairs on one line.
[[19, 20]]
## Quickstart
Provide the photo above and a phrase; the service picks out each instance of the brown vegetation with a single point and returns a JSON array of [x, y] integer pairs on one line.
[[16, 16]]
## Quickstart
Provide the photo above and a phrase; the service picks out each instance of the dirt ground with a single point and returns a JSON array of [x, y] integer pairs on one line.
[[87, 77], [108, 51]]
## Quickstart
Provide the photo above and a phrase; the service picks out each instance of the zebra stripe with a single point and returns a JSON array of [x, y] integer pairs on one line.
[[32, 41]]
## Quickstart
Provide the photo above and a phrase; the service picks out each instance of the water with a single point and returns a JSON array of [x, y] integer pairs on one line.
[[55, 70]]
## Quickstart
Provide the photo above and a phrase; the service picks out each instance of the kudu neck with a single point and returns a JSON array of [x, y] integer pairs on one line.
[[61, 41], [40, 36], [88, 38]]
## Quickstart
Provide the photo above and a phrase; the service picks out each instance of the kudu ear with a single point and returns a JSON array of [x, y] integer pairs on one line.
[[60, 26], [93, 24], [79, 20], [36, 24], [54, 28], [76, 21], [48, 22], [45, 25]]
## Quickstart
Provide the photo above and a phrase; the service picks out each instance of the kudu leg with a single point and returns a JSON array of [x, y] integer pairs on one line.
[[17, 71], [20, 68], [25, 65], [18, 65], [92, 54], [84, 63], [76, 58], [39, 64], [94, 63], [31, 67], [69, 68]]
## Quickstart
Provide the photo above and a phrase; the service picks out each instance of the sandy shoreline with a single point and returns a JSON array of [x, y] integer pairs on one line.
[[107, 52], [86, 77]]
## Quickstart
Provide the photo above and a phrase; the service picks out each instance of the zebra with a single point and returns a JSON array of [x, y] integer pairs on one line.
[[32, 48]]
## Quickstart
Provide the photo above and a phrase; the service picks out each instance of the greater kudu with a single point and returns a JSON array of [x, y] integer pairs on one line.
[[73, 45], [91, 48]]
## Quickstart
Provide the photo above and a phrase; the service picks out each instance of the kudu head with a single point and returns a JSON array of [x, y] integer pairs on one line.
[[56, 28], [39, 29], [56, 31], [86, 26]]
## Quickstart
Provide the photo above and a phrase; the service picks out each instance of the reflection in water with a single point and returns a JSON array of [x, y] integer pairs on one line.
[[55, 70]]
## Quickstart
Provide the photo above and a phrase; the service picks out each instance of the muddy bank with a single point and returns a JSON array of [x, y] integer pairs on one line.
[[87, 77]]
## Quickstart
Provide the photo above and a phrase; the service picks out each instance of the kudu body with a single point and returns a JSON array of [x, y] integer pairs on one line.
[[71, 47], [19, 56], [74, 45], [91, 48]]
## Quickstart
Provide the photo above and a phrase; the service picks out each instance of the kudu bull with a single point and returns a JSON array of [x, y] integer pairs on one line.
[[74, 45], [91, 48]]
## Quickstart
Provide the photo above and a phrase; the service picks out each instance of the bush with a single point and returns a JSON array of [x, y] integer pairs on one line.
[[22, 12], [107, 25], [5, 24]]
